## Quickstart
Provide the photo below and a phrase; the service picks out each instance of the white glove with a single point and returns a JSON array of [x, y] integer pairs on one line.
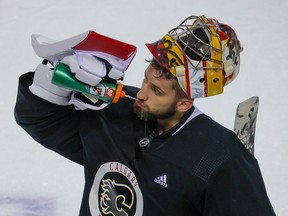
[[106, 58], [43, 88], [89, 69]]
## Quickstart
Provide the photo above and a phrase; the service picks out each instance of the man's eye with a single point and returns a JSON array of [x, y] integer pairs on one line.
[[157, 91]]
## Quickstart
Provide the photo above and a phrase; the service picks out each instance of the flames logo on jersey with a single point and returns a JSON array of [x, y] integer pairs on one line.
[[116, 199], [115, 191]]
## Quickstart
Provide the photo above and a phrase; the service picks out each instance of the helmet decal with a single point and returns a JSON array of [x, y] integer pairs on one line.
[[202, 53], [168, 53]]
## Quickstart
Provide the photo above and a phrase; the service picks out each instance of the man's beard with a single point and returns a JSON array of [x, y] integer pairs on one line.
[[142, 114]]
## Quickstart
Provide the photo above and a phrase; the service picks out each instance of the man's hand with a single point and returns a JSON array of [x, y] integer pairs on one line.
[[87, 68], [43, 88], [90, 56], [90, 69]]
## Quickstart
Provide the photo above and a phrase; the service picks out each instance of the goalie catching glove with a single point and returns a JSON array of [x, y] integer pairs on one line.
[[91, 57]]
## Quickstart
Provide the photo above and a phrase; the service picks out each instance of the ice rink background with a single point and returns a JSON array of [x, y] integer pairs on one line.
[[37, 182]]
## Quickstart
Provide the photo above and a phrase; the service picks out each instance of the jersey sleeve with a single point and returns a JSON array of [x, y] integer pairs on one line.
[[237, 188], [53, 126]]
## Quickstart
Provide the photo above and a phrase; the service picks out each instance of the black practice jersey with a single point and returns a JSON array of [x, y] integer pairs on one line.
[[197, 168]]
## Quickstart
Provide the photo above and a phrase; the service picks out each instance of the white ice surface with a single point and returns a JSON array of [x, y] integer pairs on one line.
[[36, 181]]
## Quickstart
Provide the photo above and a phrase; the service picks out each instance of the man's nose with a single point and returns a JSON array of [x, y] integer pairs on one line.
[[142, 95]]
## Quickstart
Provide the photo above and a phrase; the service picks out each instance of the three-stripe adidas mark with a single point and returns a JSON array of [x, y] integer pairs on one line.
[[162, 180]]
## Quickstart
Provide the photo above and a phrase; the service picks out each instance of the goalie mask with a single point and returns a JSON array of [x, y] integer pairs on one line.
[[202, 53]]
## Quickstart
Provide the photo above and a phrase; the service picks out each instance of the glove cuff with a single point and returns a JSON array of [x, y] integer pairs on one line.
[[82, 102], [48, 96], [43, 88]]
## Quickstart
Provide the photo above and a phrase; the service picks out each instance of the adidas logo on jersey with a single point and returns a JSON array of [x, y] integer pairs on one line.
[[162, 180]]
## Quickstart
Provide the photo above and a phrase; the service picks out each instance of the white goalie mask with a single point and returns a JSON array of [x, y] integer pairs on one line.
[[202, 53]]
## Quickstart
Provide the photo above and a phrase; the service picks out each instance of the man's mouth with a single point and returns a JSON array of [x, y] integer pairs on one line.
[[140, 104]]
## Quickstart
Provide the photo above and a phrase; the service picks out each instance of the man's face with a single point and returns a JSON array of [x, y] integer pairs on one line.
[[156, 98]]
